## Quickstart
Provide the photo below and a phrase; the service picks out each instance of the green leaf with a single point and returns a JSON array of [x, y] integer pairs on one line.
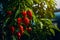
[[25, 32], [51, 26], [56, 27], [52, 31], [36, 1], [14, 38], [47, 21], [41, 25], [30, 1], [17, 12], [6, 21], [51, 15]]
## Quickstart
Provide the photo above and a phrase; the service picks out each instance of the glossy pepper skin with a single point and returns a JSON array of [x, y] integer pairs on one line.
[[18, 35], [21, 29], [24, 13], [9, 12], [28, 29], [19, 20], [26, 21], [12, 29], [29, 13]]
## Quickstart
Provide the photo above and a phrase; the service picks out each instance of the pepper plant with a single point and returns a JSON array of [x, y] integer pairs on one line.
[[28, 20]]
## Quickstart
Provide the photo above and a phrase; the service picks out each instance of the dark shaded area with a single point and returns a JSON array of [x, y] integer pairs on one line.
[[57, 37]]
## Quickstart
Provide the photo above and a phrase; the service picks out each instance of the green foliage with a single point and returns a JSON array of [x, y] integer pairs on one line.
[[52, 31], [43, 12]]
